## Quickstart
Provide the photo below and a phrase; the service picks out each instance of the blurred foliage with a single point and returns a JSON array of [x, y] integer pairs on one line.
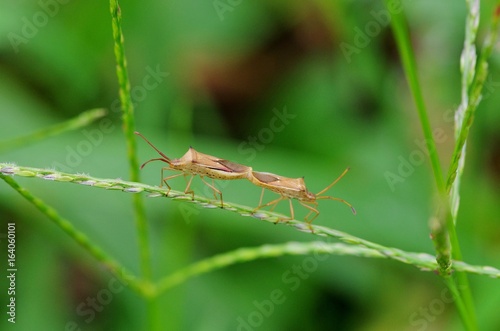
[[229, 72]]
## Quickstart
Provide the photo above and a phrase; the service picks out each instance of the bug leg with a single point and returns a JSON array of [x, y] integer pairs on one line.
[[261, 196], [271, 203], [311, 210], [187, 190], [292, 215], [164, 179], [220, 193], [215, 190], [274, 206], [285, 219]]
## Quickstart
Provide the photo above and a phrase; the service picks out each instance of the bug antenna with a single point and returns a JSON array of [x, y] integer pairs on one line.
[[156, 159], [165, 158], [334, 182]]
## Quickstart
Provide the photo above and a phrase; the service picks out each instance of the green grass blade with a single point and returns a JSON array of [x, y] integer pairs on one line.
[[129, 128], [473, 98], [442, 227], [241, 255], [468, 70], [421, 260], [440, 231], [473, 78], [248, 254], [81, 120], [119, 271], [402, 37], [470, 324], [439, 226]]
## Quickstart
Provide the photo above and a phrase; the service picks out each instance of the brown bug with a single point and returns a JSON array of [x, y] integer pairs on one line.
[[195, 163], [293, 188]]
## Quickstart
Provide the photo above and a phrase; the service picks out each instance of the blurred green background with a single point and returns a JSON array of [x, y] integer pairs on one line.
[[226, 72]]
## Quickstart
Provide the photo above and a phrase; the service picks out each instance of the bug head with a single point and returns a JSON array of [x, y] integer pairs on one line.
[[308, 195], [319, 195], [163, 157]]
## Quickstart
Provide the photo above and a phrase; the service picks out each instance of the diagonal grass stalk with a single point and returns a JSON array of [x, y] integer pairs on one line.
[[401, 34], [81, 120], [420, 260], [441, 232], [118, 270], [248, 254]]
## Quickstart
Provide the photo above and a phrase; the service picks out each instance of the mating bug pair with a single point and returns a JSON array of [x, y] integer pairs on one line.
[[195, 163]]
